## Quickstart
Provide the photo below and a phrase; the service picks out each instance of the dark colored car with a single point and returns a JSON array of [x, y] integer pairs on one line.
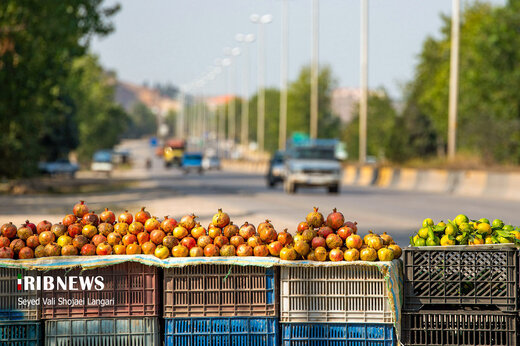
[[276, 169], [62, 166]]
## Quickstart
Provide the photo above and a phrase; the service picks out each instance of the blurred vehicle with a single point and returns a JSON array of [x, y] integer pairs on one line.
[[275, 172], [121, 157], [192, 162], [61, 166], [211, 162], [173, 151], [312, 163], [102, 161]]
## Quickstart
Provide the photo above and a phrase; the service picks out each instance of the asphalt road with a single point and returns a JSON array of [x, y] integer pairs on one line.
[[246, 197]]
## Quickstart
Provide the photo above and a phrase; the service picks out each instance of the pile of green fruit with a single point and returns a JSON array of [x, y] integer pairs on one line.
[[464, 231]]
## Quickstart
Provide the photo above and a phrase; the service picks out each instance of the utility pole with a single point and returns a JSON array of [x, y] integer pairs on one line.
[[245, 39], [282, 134], [314, 70], [363, 104], [454, 80]]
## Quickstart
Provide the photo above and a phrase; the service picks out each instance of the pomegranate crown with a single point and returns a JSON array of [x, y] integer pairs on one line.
[[334, 210], [315, 209], [142, 208]]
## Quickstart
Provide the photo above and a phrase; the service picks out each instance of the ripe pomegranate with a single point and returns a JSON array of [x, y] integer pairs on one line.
[[314, 218], [120, 249], [220, 241], [254, 241], [236, 241], [170, 241], [105, 228], [204, 240], [318, 241], [261, 251], [133, 249], [288, 254], [311, 256], [88, 250], [114, 238], [220, 219], [308, 235], [368, 254], [247, 230], [396, 249], [189, 242], [46, 237], [31, 226], [75, 229], [354, 242], [302, 226], [148, 248], [58, 229], [198, 231], [88, 231], [39, 251], [136, 227], [157, 236], [52, 249], [80, 209], [244, 250], [108, 216], [334, 241], [267, 234], [351, 255], [24, 233], [211, 250], [90, 219], [125, 217], [26, 253], [121, 228], [31, 242], [142, 215], [214, 232], [69, 250], [188, 222], [9, 230], [231, 230], [104, 249], [320, 253], [351, 225], [344, 232], [168, 224], [285, 238], [335, 219], [79, 241], [129, 239], [336, 255], [227, 250], [324, 231], [375, 242], [177, 251], [43, 226], [98, 239], [387, 239], [196, 252], [69, 220], [180, 232], [152, 224], [64, 240], [4, 241], [274, 248], [385, 254], [6, 252], [264, 225], [143, 237], [302, 247]]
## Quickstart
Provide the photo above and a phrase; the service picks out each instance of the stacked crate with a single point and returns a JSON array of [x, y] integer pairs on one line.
[[460, 296], [339, 305], [221, 305], [19, 323], [132, 319]]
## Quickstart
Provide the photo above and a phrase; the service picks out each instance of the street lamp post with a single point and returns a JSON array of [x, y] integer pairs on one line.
[[454, 79], [282, 130], [314, 70], [244, 124], [261, 20], [363, 104]]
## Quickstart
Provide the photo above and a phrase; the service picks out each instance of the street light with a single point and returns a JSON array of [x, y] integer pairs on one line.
[[282, 129], [314, 70], [454, 79], [226, 62], [232, 52], [363, 103], [244, 39], [261, 20]]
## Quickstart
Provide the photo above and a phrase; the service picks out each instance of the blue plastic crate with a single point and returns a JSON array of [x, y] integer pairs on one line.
[[229, 331], [336, 334], [20, 333]]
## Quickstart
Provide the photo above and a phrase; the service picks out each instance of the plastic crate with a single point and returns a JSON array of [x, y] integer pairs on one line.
[[336, 334], [461, 277], [431, 327], [10, 309], [134, 288], [220, 290], [133, 331], [334, 294], [20, 333], [212, 331]]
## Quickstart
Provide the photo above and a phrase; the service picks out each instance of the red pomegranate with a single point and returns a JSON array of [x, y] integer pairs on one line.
[[113, 238], [31, 226], [314, 218], [98, 239], [79, 241], [352, 225], [142, 215], [274, 248], [75, 229], [236, 241], [52, 249], [16, 245], [148, 248], [211, 250], [125, 217], [88, 250], [143, 237], [334, 241], [133, 249], [318, 241], [129, 239], [254, 241], [335, 219], [58, 229], [261, 251], [4, 241], [244, 250], [324, 231], [43, 226], [104, 249], [267, 234], [121, 228], [39, 251], [9, 230], [285, 238], [152, 224], [264, 225], [69, 220], [168, 224], [6, 252], [302, 226], [108, 216], [32, 241], [220, 241], [157, 236], [198, 231], [196, 252], [136, 227], [231, 230], [170, 241], [204, 240], [80, 209], [188, 221], [69, 250], [344, 232], [46, 237], [247, 230], [189, 242], [220, 219], [90, 219]]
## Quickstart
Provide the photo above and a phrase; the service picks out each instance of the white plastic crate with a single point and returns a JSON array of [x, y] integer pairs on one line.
[[334, 294]]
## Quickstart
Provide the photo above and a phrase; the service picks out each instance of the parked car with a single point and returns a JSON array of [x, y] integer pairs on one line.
[[211, 162], [62, 166], [275, 172], [102, 161], [192, 162]]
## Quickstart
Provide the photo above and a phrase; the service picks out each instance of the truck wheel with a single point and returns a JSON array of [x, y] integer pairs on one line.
[[271, 183], [333, 189]]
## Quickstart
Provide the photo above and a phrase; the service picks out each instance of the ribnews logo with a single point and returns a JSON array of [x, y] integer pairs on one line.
[[69, 283]]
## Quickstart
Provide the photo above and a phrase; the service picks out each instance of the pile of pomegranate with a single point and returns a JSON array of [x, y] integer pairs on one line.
[[85, 233]]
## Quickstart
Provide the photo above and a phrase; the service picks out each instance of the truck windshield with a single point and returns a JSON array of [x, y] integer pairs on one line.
[[314, 153]]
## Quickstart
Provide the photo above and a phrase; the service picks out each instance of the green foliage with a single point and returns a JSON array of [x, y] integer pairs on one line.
[[272, 118], [142, 121]]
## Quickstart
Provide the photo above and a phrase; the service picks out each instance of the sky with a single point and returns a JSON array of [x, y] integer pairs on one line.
[[178, 41]]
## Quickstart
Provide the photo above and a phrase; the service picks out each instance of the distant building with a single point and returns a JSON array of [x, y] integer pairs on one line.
[[344, 101], [128, 95]]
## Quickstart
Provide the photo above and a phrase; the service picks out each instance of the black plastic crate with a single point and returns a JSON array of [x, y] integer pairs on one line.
[[464, 277], [482, 328]]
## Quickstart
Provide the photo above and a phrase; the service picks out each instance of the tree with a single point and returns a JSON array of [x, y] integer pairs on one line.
[[142, 121], [272, 119]]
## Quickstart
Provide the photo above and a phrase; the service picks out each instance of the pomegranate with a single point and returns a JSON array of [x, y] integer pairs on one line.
[[180, 232], [24, 233], [220, 241], [351, 255], [133, 249], [75, 229], [227, 250], [236, 241], [324, 231], [88, 250], [177, 251], [211, 250], [32, 241], [315, 218], [168, 224], [204, 240], [104, 249], [152, 224], [98, 239], [125, 217], [387, 239], [135, 228], [274, 248], [39, 251], [308, 235], [121, 228], [320, 253], [46, 237], [396, 249], [189, 242], [80, 209], [142, 215], [254, 241], [170, 241], [344, 232], [302, 226], [52, 249], [375, 242], [79, 241], [351, 225], [264, 225], [6, 252], [90, 219], [4, 241], [244, 250], [88, 231], [64, 240], [334, 241], [58, 229], [26, 253], [105, 228], [220, 219], [285, 238], [368, 254], [196, 252], [69, 220], [108, 216], [198, 231], [69, 250], [231, 230], [336, 255], [288, 254], [311, 256], [119, 249], [148, 248], [260, 251], [157, 236], [302, 247], [214, 232], [43, 226], [385, 254], [31, 226], [129, 239], [9, 230], [247, 230], [267, 234], [188, 222], [143, 237], [354, 242], [318, 241], [335, 219], [297, 236], [114, 238]]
